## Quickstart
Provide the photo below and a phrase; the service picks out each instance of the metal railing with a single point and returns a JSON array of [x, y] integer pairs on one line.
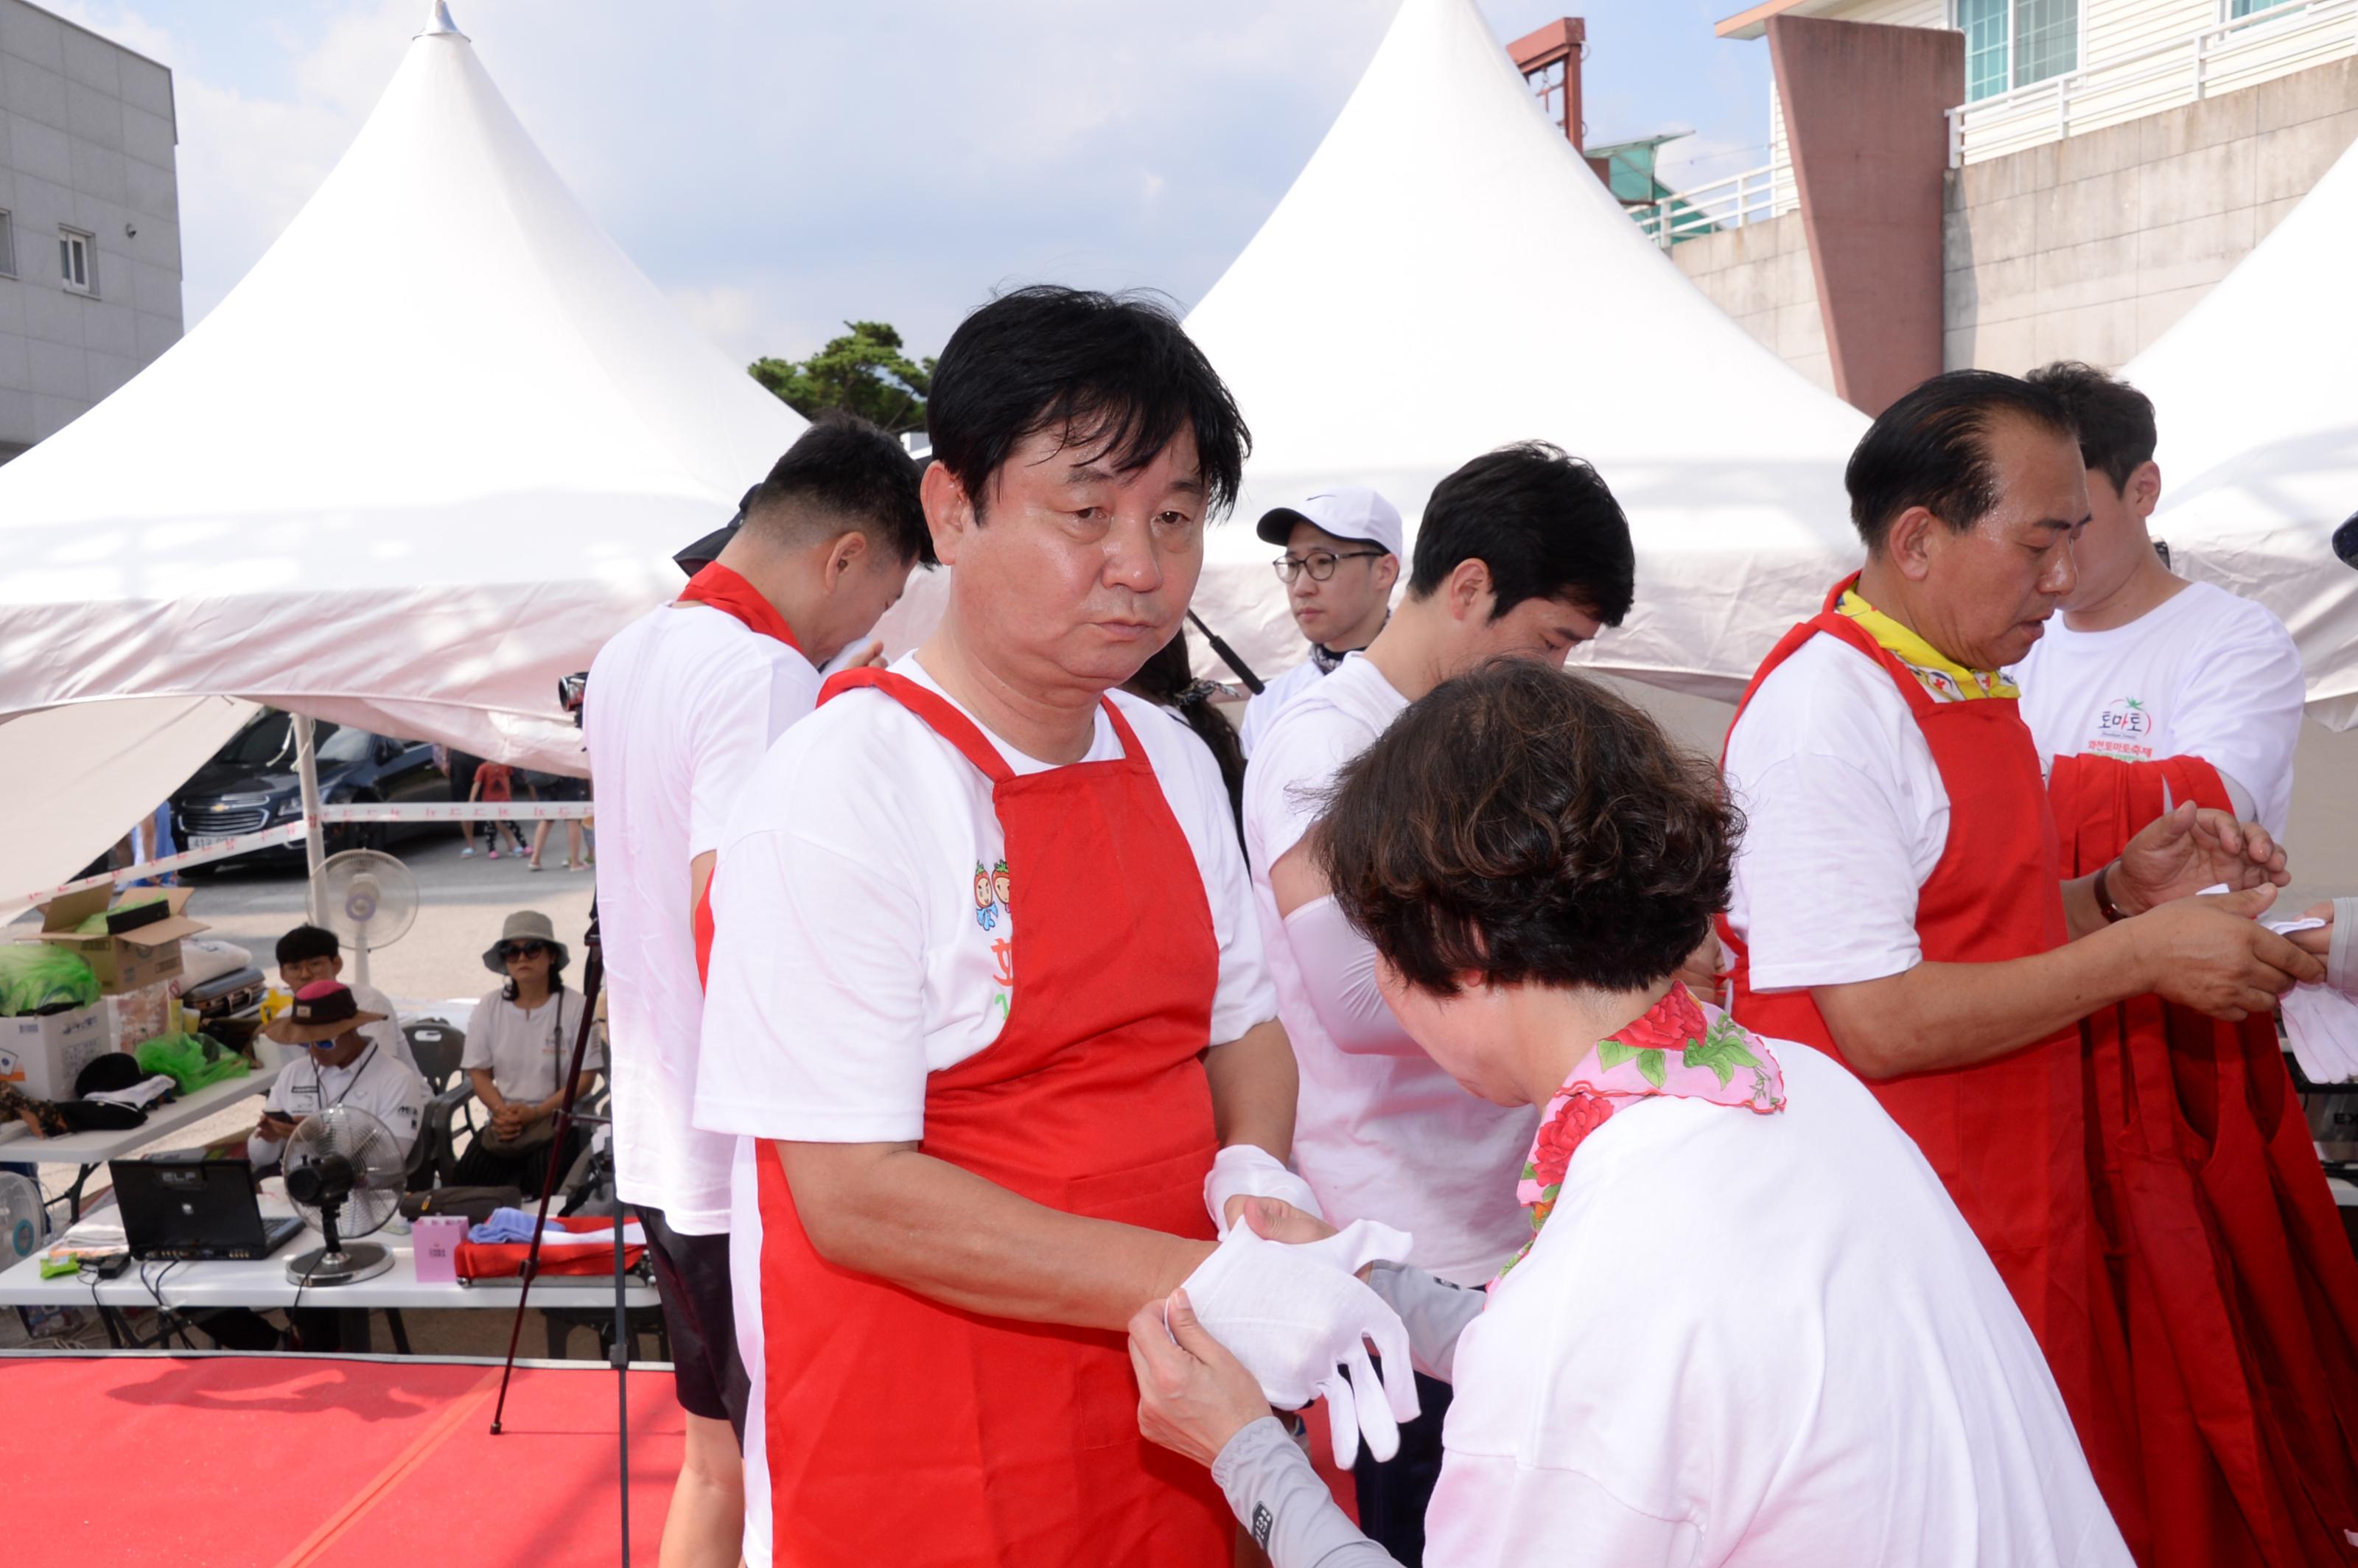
[[2222, 57], [1750, 197]]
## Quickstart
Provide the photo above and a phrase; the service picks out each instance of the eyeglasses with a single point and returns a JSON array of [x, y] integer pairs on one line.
[[511, 951], [1319, 564]]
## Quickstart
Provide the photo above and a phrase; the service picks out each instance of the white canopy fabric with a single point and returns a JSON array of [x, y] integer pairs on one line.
[[432, 451], [1447, 276], [77, 777], [2255, 390]]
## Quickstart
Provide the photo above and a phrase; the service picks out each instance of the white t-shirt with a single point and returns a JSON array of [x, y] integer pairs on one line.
[[1274, 695], [389, 1034], [1377, 1137], [1844, 818], [376, 1081], [860, 937], [527, 1051], [2206, 674], [1750, 1339], [683, 704]]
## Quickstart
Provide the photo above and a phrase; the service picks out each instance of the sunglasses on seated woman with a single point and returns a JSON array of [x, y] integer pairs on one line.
[[511, 951]]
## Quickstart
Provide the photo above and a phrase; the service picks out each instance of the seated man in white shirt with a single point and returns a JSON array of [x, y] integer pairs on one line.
[[1751, 1327], [310, 954], [1342, 556], [1523, 554], [343, 1066]]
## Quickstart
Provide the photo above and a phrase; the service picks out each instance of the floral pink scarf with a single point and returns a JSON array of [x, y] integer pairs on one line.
[[1674, 1048]]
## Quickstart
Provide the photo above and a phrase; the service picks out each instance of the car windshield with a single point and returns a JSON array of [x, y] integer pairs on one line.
[[268, 744]]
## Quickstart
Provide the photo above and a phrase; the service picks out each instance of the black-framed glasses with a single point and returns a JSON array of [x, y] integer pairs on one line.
[[1319, 564], [511, 951]]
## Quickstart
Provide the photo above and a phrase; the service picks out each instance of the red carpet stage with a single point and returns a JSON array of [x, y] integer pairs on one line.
[[247, 1462]]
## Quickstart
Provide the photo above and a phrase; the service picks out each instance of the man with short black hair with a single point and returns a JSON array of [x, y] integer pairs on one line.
[[986, 995], [1898, 898], [1523, 554], [2150, 690], [1342, 556], [310, 954], [2142, 664], [680, 707]]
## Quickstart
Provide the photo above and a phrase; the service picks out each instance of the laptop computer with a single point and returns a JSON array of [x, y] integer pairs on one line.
[[187, 1207]]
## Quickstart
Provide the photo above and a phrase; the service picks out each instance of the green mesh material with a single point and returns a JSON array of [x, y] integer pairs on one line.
[[37, 976], [192, 1061], [96, 925]]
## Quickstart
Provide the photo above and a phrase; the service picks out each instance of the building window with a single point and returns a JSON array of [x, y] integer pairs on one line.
[[7, 244], [74, 256], [2013, 43], [2251, 7]]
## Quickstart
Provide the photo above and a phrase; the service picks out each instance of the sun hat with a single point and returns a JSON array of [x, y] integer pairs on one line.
[[323, 1009], [525, 925]]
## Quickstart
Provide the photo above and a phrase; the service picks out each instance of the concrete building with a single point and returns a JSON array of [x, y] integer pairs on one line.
[[90, 221], [1999, 183]]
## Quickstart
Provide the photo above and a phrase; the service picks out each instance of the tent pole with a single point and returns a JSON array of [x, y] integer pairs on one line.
[[307, 768]]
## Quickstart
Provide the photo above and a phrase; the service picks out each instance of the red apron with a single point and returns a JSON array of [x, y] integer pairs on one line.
[[2234, 1347], [2006, 1137], [905, 1432]]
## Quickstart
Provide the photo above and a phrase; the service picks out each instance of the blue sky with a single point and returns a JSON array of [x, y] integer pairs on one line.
[[779, 168]]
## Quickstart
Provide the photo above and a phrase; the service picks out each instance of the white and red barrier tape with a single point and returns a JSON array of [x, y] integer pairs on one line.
[[293, 833]]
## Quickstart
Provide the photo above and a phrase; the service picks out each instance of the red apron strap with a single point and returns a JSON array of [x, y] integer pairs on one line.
[[1129, 748], [731, 594], [939, 713], [942, 717]]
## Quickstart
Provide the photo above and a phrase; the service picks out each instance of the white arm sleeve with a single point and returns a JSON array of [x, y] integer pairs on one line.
[[1339, 970]]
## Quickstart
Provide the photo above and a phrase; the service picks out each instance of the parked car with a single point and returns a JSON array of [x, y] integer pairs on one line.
[[251, 784]]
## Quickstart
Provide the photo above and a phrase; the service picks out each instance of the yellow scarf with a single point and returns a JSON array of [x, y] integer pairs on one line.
[[1946, 679]]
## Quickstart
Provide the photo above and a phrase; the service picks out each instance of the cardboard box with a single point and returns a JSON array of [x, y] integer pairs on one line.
[[44, 1054], [127, 959]]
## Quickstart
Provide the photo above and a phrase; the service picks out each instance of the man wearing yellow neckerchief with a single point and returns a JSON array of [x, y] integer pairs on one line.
[[1898, 899]]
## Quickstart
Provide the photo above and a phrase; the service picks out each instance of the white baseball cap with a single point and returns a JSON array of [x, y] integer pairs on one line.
[[1348, 512]]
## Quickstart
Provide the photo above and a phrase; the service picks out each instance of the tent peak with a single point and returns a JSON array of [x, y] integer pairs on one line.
[[440, 25]]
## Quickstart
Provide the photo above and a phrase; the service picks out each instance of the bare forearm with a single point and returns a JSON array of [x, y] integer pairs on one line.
[[485, 1090], [952, 1236], [1937, 1017], [1254, 1083]]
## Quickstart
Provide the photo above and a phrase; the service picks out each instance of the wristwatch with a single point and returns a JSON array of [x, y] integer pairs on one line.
[[2105, 905]]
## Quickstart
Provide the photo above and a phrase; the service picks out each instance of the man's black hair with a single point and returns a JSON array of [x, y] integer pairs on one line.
[[308, 942], [1931, 450], [2115, 420], [1542, 522], [845, 471], [1115, 374]]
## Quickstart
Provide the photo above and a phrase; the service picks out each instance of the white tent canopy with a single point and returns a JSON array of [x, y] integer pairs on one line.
[[1447, 276], [431, 453], [2257, 393]]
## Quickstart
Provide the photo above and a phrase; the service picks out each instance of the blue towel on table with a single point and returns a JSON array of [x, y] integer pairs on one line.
[[506, 1225]]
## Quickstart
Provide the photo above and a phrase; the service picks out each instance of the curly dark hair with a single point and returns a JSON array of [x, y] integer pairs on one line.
[[1528, 826]]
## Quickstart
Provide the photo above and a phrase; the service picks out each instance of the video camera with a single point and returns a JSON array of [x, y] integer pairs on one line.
[[570, 690]]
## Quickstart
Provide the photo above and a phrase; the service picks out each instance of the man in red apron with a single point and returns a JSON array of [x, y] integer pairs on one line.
[[986, 992], [2234, 1347], [1900, 898]]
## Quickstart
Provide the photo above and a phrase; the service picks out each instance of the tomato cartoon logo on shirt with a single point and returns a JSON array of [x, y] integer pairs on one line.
[[2123, 729], [1003, 885], [986, 899], [2124, 720]]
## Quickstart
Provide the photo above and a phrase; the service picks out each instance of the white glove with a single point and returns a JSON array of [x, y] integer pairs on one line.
[[1249, 1170], [1300, 1326]]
